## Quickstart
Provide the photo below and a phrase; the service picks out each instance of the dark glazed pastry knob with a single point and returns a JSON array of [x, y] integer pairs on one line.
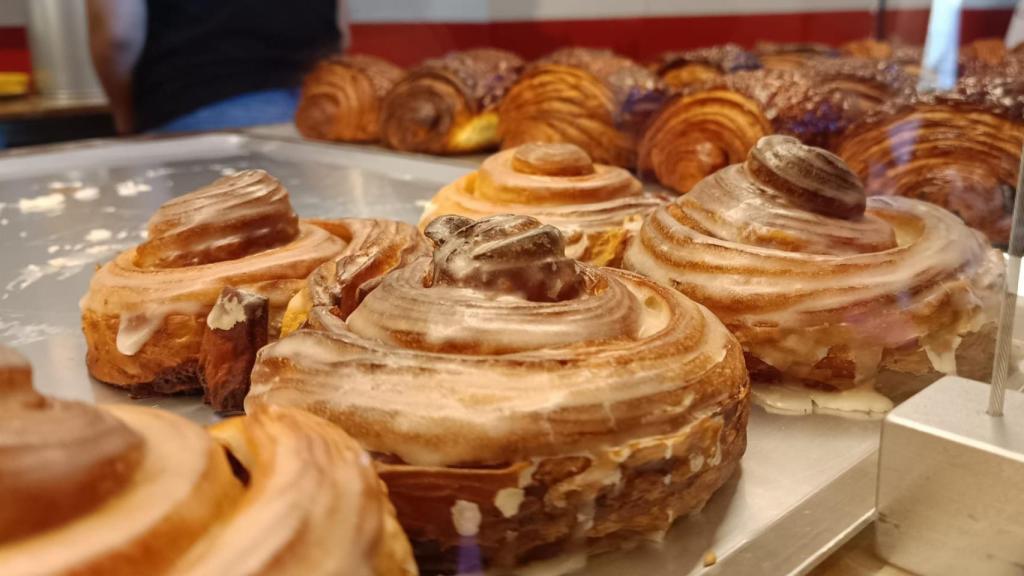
[[555, 159], [514, 255], [811, 178]]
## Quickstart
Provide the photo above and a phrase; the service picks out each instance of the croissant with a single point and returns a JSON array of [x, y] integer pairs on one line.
[[146, 312], [792, 55], [591, 406], [823, 287], [341, 98], [594, 99], [447, 105], [715, 124], [124, 489], [679, 70], [908, 57], [959, 150], [597, 207]]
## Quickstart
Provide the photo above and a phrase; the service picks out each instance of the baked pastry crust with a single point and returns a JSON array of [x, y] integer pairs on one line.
[[595, 99], [597, 207], [146, 311], [520, 402], [681, 69], [130, 490], [447, 105], [821, 286], [341, 98]]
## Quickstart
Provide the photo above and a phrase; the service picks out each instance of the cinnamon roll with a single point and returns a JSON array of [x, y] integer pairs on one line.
[[679, 70], [130, 490], [447, 105], [715, 124], [591, 406], [341, 98], [597, 207], [146, 311], [959, 150], [823, 287], [594, 99]]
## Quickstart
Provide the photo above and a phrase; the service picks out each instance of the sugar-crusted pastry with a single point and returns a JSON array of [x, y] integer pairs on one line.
[[520, 404], [597, 207], [120, 489], [681, 69], [824, 287], [448, 105], [146, 311]]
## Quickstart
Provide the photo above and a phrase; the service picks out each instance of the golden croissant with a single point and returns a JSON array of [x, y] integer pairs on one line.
[[823, 287], [448, 105], [597, 207], [520, 404], [682, 69], [716, 123], [129, 490], [147, 311], [594, 99], [959, 150], [342, 96]]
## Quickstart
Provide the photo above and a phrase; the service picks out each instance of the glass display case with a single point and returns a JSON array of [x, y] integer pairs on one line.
[[593, 288]]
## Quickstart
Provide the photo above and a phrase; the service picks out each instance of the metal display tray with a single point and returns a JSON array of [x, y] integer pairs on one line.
[[806, 484]]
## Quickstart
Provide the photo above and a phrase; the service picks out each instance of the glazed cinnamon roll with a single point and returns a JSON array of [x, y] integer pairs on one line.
[[146, 312], [597, 207], [679, 70], [958, 150], [822, 287], [447, 105], [591, 406], [715, 124], [341, 98], [131, 490], [594, 99]]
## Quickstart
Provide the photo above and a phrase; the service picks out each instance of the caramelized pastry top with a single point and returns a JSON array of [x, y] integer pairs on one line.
[[726, 58], [482, 75]]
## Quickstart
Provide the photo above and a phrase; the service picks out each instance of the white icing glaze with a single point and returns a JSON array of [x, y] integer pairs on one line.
[[466, 518], [863, 402], [508, 501], [135, 329], [226, 314], [131, 188], [87, 194], [696, 462], [46, 204], [98, 235]]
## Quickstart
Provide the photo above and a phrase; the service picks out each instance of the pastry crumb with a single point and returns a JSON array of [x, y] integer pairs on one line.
[[710, 559]]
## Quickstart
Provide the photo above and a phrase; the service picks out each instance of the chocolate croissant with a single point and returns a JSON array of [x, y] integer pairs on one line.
[[821, 286], [679, 70], [597, 207], [147, 311], [715, 124], [594, 99], [341, 98], [447, 105], [959, 150], [591, 406], [123, 489]]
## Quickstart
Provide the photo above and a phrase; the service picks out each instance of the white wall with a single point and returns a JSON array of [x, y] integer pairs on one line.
[[14, 12]]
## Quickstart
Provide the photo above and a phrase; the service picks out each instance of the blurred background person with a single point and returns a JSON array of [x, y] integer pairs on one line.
[[186, 65]]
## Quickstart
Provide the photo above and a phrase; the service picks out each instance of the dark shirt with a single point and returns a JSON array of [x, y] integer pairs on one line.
[[201, 51]]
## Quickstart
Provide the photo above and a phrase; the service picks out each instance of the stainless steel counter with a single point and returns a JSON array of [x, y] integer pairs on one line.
[[806, 483]]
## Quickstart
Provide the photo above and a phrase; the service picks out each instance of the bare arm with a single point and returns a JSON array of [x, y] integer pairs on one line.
[[117, 34]]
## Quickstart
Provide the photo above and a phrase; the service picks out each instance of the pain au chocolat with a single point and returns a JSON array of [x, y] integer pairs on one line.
[[147, 311], [342, 97], [823, 287], [128, 490], [597, 207], [448, 105], [520, 404]]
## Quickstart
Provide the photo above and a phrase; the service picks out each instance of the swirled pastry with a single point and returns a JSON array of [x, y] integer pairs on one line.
[[958, 150], [679, 70], [447, 105], [341, 98], [715, 124], [594, 99], [146, 311], [597, 207], [521, 404], [821, 286], [130, 490], [792, 55]]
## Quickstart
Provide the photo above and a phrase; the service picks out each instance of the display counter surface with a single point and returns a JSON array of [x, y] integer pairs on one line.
[[806, 484]]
